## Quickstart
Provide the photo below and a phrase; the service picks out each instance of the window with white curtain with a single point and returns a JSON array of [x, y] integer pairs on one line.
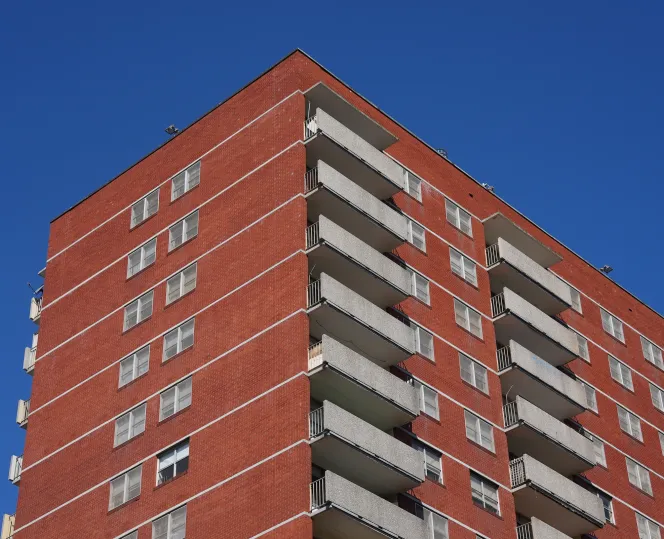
[[186, 180], [138, 310], [144, 208], [183, 231], [421, 288], [142, 257], [638, 476], [473, 373], [134, 366], [484, 493], [417, 236], [413, 185], [428, 399], [458, 218], [130, 424], [621, 373], [647, 528], [175, 399], [181, 283], [125, 488], [172, 462], [479, 431], [171, 526], [463, 266], [468, 318], [179, 339], [612, 325], [629, 423], [652, 353]]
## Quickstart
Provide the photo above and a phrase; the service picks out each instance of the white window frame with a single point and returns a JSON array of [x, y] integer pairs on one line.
[[144, 208], [413, 185], [647, 528], [144, 259], [657, 396], [584, 351], [621, 373], [127, 494], [189, 226], [652, 353], [433, 461], [424, 389], [191, 176], [170, 458], [591, 397], [462, 316], [423, 282], [480, 428], [179, 331], [169, 526], [485, 485], [661, 440], [576, 299], [138, 306], [180, 402], [600, 450], [134, 362], [417, 236], [607, 507], [424, 342], [180, 283], [458, 217], [638, 476], [476, 371], [132, 430], [463, 266], [435, 522], [612, 325], [630, 423]]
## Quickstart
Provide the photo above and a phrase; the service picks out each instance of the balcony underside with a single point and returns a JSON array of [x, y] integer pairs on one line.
[[358, 336], [530, 501], [509, 326], [320, 146], [324, 258], [540, 394], [337, 523], [329, 383], [504, 275], [323, 201], [523, 438]]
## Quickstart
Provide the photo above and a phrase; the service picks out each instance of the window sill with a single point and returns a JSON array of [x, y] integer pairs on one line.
[[465, 281], [187, 242], [615, 339], [481, 339], [624, 387], [633, 438], [183, 194], [642, 491], [164, 361], [123, 505], [125, 331], [430, 417], [134, 380], [123, 444], [476, 389], [469, 236], [179, 298], [175, 478], [488, 451], [138, 225], [497, 515], [176, 414], [139, 272]]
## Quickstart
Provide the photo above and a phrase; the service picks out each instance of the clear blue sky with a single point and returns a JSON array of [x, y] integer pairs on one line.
[[558, 105]]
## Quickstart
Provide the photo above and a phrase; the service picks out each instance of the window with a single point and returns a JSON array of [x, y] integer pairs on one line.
[[125, 488], [661, 440], [423, 342], [463, 266], [647, 528], [467, 318], [130, 424], [433, 468], [173, 462], [621, 373], [186, 181], [138, 310], [436, 523], [142, 257], [485, 493], [612, 325], [428, 399], [576, 299], [171, 526], [144, 208], [473, 373], [416, 236], [413, 185], [638, 476], [183, 231], [600, 454], [629, 423], [583, 348], [652, 353], [134, 366], [175, 399], [479, 431], [458, 218], [591, 398], [421, 288], [607, 503], [181, 284], [657, 397], [179, 339]]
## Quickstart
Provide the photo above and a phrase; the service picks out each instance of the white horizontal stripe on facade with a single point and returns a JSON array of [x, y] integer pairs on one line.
[[277, 526]]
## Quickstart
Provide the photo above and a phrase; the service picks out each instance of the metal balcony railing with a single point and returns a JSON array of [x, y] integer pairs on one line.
[[310, 127], [310, 179], [313, 235], [517, 472], [313, 293], [15, 467], [23, 412], [525, 531], [316, 422], [315, 355], [7, 529], [498, 304], [510, 414], [492, 255], [504, 358], [35, 308], [29, 358], [317, 492]]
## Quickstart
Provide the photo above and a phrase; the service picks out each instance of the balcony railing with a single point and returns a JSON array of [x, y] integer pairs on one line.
[[498, 305], [316, 422], [310, 127], [7, 529], [35, 309], [29, 357], [525, 531], [313, 293], [315, 355], [317, 492], [517, 472], [504, 358], [310, 180], [23, 412], [492, 255], [312, 235], [510, 414], [15, 467]]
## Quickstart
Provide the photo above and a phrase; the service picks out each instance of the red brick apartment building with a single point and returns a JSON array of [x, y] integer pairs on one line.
[[297, 320]]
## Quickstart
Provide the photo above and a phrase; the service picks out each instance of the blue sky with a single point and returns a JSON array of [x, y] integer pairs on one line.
[[557, 105]]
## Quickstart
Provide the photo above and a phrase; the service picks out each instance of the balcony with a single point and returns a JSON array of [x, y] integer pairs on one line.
[[536, 529], [334, 251], [331, 194], [534, 379], [22, 413], [7, 529], [546, 439], [510, 268], [539, 492], [336, 310], [348, 379], [328, 140], [30, 355], [15, 467], [341, 509], [516, 319], [35, 309]]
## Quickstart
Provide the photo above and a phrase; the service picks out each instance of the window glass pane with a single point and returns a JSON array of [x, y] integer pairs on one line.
[[122, 429], [178, 185], [138, 418], [117, 492], [171, 343], [184, 394], [149, 253], [173, 288], [126, 371], [167, 403], [417, 236], [176, 233], [191, 226], [189, 279], [178, 523], [193, 175], [142, 361], [187, 334]]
